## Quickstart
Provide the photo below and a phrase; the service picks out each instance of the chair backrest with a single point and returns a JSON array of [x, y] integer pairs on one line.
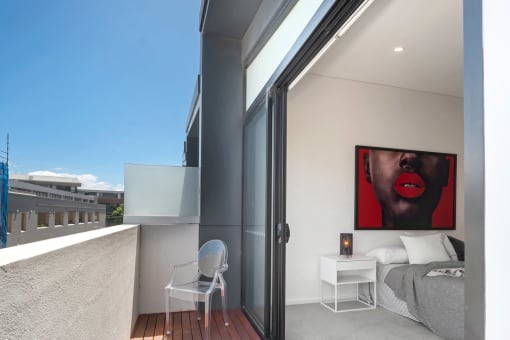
[[212, 255]]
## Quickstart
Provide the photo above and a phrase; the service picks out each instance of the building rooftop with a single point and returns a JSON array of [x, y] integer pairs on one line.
[[58, 180]]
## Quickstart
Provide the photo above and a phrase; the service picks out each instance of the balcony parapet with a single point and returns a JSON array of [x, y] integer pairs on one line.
[[78, 286]]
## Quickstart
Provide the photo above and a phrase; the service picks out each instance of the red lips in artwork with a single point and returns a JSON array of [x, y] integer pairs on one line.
[[409, 185]]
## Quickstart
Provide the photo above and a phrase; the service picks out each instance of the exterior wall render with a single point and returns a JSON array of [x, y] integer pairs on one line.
[[221, 151], [77, 287]]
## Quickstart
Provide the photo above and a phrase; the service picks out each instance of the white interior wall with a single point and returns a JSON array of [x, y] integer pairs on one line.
[[327, 117]]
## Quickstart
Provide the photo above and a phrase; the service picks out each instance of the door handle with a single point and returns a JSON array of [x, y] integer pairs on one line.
[[282, 234]]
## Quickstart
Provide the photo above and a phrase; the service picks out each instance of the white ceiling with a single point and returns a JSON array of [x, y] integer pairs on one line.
[[429, 30]]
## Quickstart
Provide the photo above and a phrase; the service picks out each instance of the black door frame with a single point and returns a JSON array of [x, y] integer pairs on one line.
[[330, 17]]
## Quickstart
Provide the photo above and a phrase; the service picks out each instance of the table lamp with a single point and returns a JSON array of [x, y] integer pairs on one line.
[[346, 244]]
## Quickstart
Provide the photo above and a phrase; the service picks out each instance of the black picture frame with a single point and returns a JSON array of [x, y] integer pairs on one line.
[[430, 186]]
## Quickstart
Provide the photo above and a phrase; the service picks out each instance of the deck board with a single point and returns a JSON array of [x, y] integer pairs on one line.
[[140, 326], [247, 326], [187, 327], [220, 324], [231, 329], [195, 326], [215, 333], [159, 329], [177, 329], [150, 327], [238, 325]]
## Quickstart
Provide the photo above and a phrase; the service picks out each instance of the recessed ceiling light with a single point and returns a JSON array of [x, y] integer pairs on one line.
[[398, 49]]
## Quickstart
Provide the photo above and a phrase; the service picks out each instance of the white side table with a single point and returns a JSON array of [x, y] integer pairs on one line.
[[339, 270]]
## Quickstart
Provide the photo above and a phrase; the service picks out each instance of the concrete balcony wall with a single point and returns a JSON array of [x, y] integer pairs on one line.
[[81, 286]]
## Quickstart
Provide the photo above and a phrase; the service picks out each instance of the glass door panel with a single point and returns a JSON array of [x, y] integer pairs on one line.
[[255, 240]]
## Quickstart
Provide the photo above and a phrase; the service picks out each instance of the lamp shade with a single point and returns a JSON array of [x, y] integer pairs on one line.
[[346, 244]]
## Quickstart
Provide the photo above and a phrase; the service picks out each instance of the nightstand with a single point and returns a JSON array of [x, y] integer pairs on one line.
[[340, 270]]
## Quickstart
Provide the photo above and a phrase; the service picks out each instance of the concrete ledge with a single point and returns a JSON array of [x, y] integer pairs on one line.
[[81, 286], [26, 251]]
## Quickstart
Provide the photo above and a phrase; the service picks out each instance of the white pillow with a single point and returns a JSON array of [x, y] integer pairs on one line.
[[446, 242], [425, 249], [449, 248], [388, 255]]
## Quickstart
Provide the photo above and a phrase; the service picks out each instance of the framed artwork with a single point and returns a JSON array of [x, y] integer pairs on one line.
[[400, 189]]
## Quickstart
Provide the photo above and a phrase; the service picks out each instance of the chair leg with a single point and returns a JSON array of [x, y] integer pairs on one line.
[[195, 299], [224, 298], [197, 308], [207, 318], [224, 302], [168, 320]]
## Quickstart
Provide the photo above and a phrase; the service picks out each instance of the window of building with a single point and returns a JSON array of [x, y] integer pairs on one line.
[[59, 218], [43, 219]]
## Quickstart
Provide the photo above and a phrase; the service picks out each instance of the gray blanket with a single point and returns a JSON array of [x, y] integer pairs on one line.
[[437, 302]]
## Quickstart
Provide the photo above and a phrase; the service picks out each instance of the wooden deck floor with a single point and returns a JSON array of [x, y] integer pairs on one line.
[[187, 327]]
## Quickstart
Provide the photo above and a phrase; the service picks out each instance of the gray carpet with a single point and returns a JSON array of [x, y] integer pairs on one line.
[[313, 321]]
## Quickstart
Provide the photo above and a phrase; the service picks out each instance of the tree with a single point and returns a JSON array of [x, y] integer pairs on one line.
[[119, 211]]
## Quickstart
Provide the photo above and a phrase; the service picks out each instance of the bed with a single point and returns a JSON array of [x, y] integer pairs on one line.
[[385, 296], [436, 301], [431, 293]]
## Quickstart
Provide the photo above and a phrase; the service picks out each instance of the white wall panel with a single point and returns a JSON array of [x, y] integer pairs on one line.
[[496, 69]]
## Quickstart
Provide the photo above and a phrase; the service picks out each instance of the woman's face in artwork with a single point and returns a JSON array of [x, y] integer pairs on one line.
[[408, 185]]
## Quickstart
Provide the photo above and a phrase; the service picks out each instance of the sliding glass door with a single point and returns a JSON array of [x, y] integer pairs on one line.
[[264, 230], [255, 233]]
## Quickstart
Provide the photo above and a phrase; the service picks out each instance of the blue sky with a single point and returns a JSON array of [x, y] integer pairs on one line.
[[87, 86]]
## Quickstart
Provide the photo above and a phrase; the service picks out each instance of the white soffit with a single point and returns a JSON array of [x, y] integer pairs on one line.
[[430, 32]]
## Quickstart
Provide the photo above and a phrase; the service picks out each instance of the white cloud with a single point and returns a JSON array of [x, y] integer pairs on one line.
[[88, 181]]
